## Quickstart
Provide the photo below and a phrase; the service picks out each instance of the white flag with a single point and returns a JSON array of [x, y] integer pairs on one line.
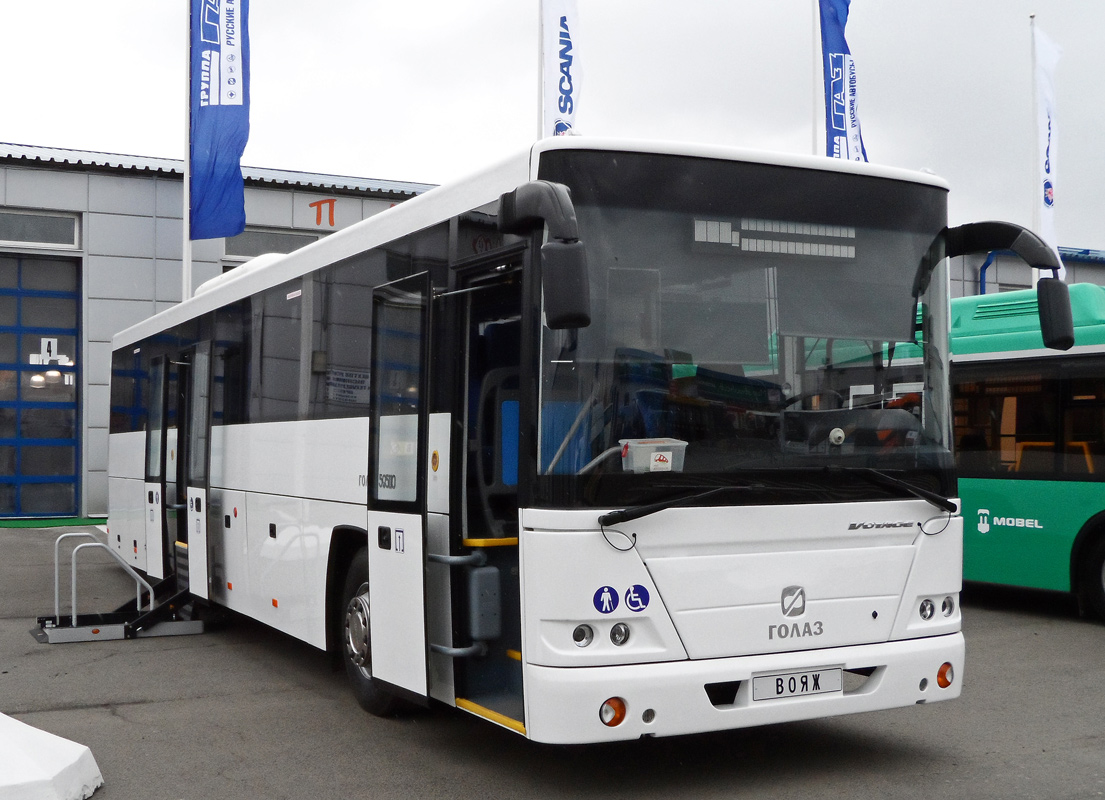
[[559, 66], [1047, 57]]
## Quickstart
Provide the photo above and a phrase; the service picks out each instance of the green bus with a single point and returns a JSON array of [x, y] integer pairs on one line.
[[1030, 439]]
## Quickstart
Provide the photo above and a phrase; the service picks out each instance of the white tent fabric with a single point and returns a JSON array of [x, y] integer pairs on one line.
[[36, 765]]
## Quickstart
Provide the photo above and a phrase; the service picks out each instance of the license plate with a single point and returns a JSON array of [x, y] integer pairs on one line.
[[797, 684]]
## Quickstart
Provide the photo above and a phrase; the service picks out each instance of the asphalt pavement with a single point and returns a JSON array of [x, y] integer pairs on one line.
[[246, 712]]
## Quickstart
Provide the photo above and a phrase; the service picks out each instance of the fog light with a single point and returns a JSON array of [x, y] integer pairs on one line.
[[619, 634], [928, 608], [945, 675], [612, 712], [948, 606], [583, 635]]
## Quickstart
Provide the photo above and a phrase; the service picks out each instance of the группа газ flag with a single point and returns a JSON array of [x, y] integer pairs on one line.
[[842, 134], [219, 116]]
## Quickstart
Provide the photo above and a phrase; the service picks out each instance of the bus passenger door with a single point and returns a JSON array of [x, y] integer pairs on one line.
[[197, 429], [489, 336], [397, 487], [155, 479]]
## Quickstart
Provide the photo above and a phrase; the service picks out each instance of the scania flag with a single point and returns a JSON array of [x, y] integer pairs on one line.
[[219, 126], [1047, 58], [559, 66], [842, 133]]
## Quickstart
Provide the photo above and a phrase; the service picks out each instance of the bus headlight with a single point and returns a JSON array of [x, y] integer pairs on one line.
[[619, 634], [583, 635], [928, 608], [947, 608]]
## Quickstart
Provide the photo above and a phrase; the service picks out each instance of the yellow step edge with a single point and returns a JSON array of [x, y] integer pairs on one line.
[[504, 542], [494, 716]]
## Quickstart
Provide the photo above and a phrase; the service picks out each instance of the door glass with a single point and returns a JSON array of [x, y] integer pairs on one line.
[[396, 387], [197, 451], [155, 437]]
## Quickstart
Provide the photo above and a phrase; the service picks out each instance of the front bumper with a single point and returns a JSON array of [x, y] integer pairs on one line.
[[562, 704]]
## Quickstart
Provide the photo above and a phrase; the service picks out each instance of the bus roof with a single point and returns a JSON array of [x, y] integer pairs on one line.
[[1007, 323], [457, 197]]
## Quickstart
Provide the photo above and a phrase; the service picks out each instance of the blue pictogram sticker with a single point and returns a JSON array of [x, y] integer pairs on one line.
[[636, 597], [606, 599]]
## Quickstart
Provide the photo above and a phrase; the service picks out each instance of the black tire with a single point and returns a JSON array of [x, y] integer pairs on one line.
[[356, 650], [1091, 585]]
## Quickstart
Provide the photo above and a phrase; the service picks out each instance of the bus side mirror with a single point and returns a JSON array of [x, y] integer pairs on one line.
[[1052, 295], [564, 281], [1056, 323]]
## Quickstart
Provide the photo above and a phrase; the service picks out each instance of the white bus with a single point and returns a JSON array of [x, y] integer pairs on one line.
[[560, 444]]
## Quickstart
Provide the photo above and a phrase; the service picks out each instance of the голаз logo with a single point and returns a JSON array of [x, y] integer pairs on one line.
[[1049, 194], [561, 127], [793, 601]]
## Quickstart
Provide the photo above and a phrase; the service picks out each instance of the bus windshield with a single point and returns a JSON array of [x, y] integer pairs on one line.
[[752, 325]]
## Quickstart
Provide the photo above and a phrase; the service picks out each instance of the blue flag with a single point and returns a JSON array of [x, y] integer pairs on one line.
[[842, 133], [220, 116]]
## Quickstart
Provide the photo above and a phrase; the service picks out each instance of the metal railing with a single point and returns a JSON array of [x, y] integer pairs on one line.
[[96, 543]]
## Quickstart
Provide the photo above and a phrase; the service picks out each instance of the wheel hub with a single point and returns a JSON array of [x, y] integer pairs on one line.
[[357, 617]]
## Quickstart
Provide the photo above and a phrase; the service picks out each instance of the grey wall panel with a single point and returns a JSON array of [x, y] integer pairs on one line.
[[268, 207], [95, 455], [119, 278], [114, 194], [108, 317], [97, 364], [169, 238], [169, 197], [118, 235], [39, 188], [95, 494]]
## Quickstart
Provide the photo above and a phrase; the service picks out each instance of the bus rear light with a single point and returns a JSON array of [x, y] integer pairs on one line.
[[945, 675], [612, 712]]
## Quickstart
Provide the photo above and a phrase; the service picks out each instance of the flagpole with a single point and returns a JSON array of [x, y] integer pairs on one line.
[[186, 245], [1037, 219], [540, 68]]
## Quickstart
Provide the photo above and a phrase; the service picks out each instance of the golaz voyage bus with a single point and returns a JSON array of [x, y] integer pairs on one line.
[[564, 445]]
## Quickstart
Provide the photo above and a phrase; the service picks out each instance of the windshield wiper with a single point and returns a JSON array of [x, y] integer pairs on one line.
[[626, 514], [882, 479]]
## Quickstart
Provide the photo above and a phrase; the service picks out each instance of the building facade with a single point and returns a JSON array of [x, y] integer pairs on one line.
[[91, 243]]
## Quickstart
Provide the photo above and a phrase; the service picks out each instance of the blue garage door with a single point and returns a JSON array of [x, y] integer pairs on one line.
[[39, 424]]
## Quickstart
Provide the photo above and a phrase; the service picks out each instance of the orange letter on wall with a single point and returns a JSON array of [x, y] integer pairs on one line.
[[317, 206]]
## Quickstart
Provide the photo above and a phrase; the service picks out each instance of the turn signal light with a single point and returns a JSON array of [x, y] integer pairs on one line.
[[945, 675], [612, 712]]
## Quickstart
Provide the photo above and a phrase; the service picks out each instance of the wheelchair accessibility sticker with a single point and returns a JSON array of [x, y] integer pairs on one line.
[[606, 599], [636, 597]]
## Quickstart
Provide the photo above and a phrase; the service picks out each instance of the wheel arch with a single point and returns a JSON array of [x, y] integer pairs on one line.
[[344, 543], [1093, 530]]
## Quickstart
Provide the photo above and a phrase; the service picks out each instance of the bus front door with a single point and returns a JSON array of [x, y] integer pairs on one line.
[[397, 487], [489, 334]]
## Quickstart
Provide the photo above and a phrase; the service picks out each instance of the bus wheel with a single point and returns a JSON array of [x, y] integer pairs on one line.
[[1091, 587], [355, 641]]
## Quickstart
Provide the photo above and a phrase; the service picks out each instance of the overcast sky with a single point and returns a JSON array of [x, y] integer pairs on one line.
[[428, 90]]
